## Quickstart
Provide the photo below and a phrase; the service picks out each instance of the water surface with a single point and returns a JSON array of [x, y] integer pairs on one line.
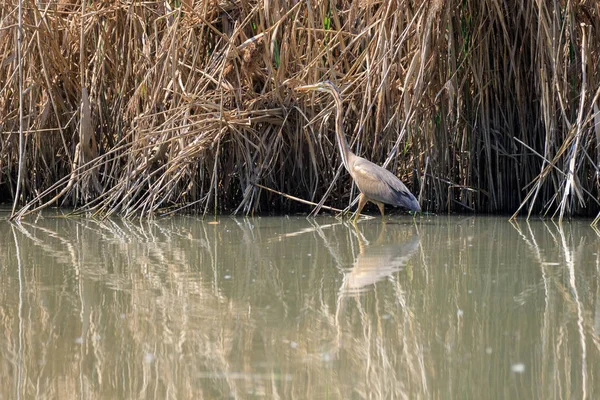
[[290, 308]]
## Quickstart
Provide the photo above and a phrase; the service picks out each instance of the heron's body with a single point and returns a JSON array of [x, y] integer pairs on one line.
[[376, 184]]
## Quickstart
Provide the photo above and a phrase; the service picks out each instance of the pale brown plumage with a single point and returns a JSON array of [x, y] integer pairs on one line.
[[376, 184]]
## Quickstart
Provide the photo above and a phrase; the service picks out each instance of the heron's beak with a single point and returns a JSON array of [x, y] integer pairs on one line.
[[306, 88]]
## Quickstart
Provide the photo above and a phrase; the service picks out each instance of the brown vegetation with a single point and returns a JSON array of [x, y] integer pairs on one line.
[[144, 108]]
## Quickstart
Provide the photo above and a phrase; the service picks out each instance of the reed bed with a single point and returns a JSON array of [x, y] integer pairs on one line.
[[146, 108]]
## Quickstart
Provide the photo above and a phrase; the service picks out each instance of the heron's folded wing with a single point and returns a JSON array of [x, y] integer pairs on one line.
[[380, 184]]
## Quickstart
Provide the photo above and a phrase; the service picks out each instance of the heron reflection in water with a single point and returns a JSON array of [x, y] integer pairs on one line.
[[376, 184], [377, 261]]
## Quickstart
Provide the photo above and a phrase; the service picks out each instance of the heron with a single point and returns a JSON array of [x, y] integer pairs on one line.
[[376, 184]]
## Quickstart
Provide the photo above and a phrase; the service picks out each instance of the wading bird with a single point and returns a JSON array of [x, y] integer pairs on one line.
[[376, 184]]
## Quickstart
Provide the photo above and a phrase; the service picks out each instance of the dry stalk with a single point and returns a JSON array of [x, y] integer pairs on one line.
[[187, 108]]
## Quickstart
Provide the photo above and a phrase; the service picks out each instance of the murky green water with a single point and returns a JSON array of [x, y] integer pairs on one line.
[[294, 309]]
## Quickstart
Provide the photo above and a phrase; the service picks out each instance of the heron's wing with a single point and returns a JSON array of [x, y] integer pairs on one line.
[[381, 185]]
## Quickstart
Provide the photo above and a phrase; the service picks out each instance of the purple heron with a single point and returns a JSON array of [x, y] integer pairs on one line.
[[376, 184]]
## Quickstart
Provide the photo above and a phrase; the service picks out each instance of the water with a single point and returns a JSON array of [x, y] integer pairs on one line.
[[291, 308]]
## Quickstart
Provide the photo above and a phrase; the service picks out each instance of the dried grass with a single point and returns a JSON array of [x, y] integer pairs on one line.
[[150, 108]]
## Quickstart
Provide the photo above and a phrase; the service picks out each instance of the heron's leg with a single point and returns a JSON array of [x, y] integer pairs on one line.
[[362, 200], [381, 209]]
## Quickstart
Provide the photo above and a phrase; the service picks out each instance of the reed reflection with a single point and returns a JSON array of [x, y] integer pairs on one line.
[[570, 272], [291, 308]]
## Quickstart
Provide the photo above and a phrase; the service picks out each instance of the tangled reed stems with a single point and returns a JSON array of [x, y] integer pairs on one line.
[[142, 108]]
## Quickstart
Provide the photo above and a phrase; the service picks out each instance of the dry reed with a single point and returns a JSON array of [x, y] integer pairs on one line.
[[146, 108]]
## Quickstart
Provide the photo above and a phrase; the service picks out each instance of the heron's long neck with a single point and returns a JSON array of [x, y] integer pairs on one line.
[[339, 132]]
